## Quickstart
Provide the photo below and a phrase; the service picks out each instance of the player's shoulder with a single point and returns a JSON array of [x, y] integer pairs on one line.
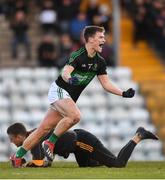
[[78, 52]]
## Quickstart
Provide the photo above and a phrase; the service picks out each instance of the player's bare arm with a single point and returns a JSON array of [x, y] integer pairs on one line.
[[66, 73], [108, 86]]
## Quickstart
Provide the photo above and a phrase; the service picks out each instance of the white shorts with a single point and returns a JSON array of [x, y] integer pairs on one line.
[[56, 93]]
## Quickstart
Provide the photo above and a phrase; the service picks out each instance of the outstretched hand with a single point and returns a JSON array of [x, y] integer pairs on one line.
[[129, 93]]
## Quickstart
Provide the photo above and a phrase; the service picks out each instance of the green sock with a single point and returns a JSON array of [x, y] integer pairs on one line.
[[21, 152], [53, 138]]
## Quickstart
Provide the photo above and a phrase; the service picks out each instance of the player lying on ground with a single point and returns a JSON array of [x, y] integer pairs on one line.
[[17, 134], [82, 66], [87, 148]]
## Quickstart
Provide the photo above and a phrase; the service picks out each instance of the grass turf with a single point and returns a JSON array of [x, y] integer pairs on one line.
[[66, 170]]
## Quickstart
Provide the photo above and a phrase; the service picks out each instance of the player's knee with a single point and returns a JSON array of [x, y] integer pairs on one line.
[[117, 164], [120, 164], [77, 117]]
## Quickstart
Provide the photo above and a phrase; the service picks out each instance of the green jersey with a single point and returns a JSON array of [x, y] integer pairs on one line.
[[85, 69]]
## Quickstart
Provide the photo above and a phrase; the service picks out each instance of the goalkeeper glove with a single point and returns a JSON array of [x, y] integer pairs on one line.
[[38, 163], [129, 93], [17, 162]]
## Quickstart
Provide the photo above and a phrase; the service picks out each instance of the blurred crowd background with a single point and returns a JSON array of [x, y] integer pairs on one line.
[[36, 38], [50, 30], [149, 22]]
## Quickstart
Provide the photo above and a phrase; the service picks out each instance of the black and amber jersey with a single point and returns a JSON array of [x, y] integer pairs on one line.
[[73, 140], [82, 144], [85, 69]]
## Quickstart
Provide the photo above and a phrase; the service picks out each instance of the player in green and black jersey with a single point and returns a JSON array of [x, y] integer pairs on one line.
[[85, 69], [81, 68]]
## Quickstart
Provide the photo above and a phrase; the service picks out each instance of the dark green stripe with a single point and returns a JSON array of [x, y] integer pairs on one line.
[[73, 58], [77, 52], [61, 93], [58, 93]]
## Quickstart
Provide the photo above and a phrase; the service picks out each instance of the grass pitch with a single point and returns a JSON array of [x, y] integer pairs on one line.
[[66, 170]]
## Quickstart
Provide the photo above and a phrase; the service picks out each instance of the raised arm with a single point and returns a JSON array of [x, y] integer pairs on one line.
[[110, 87]]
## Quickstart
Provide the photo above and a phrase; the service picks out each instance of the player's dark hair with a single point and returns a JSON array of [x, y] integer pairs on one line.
[[17, 128], [90, 31]]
